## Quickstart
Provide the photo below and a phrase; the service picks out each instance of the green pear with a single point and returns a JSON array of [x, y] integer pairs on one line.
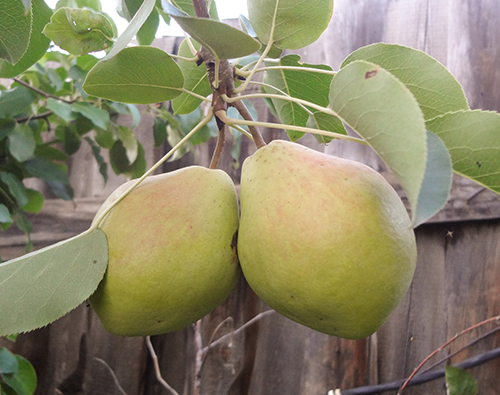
[[324, 241], [172, 254]]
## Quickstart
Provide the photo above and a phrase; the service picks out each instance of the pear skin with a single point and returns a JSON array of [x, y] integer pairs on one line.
[[172, 257], [324, 241]]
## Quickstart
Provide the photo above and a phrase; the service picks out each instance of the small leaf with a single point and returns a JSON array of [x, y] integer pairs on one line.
[[320, 120], [99, 116], [159, 131], [104, 137], [459, 382], [290, 24], [436, 185], [22, 143], [24, 380], [120, 163], [38, 288], [222, 40], [60, 108], [38, 43], [130, 143], [14, 101], [72, 141], [46, 170], [16, 187], [383, 111], [80, 31], [435, 89], [96, 151], [5, 217], [8, 362], [35, 201], [473, 140], [140, 75], [195, 80], [15, 30]]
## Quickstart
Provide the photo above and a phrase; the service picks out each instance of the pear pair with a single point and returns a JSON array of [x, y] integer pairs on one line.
[[324, 241]]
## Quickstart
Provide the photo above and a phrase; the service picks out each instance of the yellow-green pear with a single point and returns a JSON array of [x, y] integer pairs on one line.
[[324, 241], [172, 254]]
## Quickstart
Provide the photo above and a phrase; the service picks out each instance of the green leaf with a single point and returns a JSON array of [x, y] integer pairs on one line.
[[104, 137], [247, 27], [320, 120], [14, 101], [15, 30], [8, 362], [45, 151], [72, 141], [436, 185], [130, 143], [302, 84], [24, 380], [99, 116], [96, 151], [80, 31], [46, 170], [35, 201], [140, 75], [434, 87], [22, 143], [38, 43], [289, 24], [16, 187], [159, 131], [195, 80], [60, 108], [222, 40], [473, 140], [5, 217], [459, 382], [187, 7], [38, 288], [7, 126], [147, 32], [120, 163], [383, 111], [25, 225]]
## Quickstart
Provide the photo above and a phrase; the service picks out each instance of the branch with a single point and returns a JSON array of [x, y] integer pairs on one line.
[[201, 9], [30, 117], [156, 365], [40, 92], [221, 138], [199, 358], [243, 110], [115, 379]]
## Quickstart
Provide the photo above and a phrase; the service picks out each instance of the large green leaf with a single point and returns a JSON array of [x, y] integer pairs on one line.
[[302, 84], [139, 75], [38, 43], [383, 111], [38, 288], [436, 185], [473, 140], [24, 381], [459, 382], [289, 24], [80, 31], [222, 40], [435, 89], [195, 80], [15, 30]]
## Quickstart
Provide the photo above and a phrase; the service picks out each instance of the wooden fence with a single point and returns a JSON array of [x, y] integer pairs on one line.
[[456, 284]]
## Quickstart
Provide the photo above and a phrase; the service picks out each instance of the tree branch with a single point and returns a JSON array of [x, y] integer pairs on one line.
[[156, 365], [40, 92], [221, 139], [243, 110]]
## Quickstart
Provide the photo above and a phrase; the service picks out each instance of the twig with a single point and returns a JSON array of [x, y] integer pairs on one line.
[[40, 92], [221, 138], [475, 194], [115, 379], [420, 378], [156, 365], [496, 318], [243, 110], [199, 358], [30, 117], [239, 330], [228, 319]]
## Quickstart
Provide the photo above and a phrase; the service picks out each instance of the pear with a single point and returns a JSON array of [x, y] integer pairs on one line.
[[324, 241], [172, 254]]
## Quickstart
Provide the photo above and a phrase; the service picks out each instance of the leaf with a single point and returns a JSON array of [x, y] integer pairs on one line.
[[104, 137], [98, 116], [15, 30], [72, 141], [459, 382], [46, 170], [383, 111], [436, 185], [434, 87], [473, 140], [247, 27], [130, 143], [195, 80], [35, 201], [38, 288], [159, 131], [320, 120], [139, 75], [38, 43], [14, 101], [147, 32], [289, 24], [8, 362], [24, 380], [96, 151], [16, 187], [187, 7], [80, 31], [5, 217], [302, 84], [61, 109], [22, 144], [120, 163], [220, 39]]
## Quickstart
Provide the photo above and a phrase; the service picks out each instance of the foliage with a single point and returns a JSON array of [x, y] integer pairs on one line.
[[17, 375], [419, 123]]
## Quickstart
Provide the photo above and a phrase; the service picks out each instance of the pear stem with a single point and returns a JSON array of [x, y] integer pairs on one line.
[[202, 123]]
